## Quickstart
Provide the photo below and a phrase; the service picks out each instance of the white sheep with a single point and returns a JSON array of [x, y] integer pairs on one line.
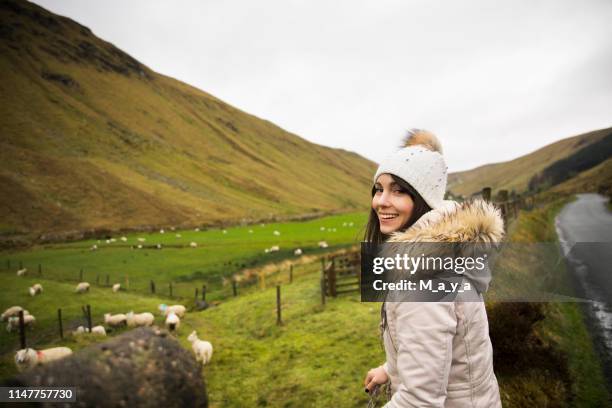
[[250, 231], [179, 310], [140, 319], [193, 244], [29, 358], [35, 289], [82, 287], [323, 244], [297, 252], [197, 229], [173, 322], [94, 247], [115, 320], [277, 233], [225, 231], [94, 330], [124, 239], [178, 235], [22, 272], [116, 287], [161, 231], [274, 248], [13, 322], [142, 239], [322, 228], [13, 311], [203, 349]]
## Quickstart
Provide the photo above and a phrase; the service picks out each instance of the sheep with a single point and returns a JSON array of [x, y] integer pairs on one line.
[[113, 240], [274, 248], [193, 244], [140, 319], [173, 322], [115, 320], [124, 239], [35, 289], [322, 228], [142, 239], [94, 247], [350, 224], [139, 246], [116, 287], [82, 287], [94, 330], [323, 244], [179, 310], [297, 252], [203, 349], [13, 322], [266, 250], [197, 229], [277, 233], [28, 358], [22, 272], [13, 311], [158, 246], [161, 231], [178, 235], [250, 231]]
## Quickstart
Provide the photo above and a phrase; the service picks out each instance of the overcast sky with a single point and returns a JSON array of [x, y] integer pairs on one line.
[[493, 79]]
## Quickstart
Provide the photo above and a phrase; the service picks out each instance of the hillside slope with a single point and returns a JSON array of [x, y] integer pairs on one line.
[[516, 174], [91, 138]]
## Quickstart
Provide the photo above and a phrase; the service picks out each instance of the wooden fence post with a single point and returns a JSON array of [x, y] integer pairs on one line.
[[486, 194], [291, 273], [89, 317], [204, 292], [152, 287], [234, 288], [22, 338], [59, 320], [278, 306]]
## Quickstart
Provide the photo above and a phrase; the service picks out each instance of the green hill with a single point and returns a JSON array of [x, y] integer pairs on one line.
[[516, 174], [93, 139]]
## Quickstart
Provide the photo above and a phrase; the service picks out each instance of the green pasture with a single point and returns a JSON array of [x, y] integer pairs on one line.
[[220, 253]]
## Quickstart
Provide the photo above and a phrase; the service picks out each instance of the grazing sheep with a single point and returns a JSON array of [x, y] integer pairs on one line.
[[179, 310], [35, 289], [29, 358], [94, 247], [197, 229], [22, 272], [99, 330], [274, 248], [193, 244], [203, 349], [142, 239], [178, 235], [113, 240], [161, 231], [350, 224], [115, 320], [108, 241], [322, 228], [82, 287], [276, 233], [323, 244], [13, 322], [158, 246], [139, 246], [344, 224], [13, 311], [297, 252], [173, 322], [250, 231], [116, 287], [266, 250], [124, 239], [140, 319]]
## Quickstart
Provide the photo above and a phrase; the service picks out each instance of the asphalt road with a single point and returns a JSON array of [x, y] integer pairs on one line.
[[585, 229]]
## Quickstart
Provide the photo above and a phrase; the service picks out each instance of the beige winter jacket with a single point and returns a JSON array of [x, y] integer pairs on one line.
[[439, 354]]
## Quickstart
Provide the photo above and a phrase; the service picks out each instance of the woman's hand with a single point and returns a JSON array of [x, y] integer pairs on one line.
[[375, 376]]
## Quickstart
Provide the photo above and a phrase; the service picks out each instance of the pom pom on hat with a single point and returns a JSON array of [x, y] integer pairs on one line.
[[424, 138]]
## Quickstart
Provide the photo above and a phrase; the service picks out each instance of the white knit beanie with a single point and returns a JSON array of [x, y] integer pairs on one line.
[[421, 164]]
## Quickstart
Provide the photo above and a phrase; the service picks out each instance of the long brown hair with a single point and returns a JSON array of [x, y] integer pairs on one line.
[[373, 234], [372, 230]]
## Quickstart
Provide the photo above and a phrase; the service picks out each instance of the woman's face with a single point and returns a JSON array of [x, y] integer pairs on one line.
[[392, 204]]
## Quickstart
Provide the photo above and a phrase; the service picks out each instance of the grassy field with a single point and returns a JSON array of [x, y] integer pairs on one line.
[[220, 253]]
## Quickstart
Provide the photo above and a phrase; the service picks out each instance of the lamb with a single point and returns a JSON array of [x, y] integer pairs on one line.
[[13, 322], [173, 322], [29, 358], [297, 252], [22, 272], [116, 287], [35, 289], [179, 310], [203, 349], [323, 244], [193, 244], [94, 330], [115, 320], [82, 287], [13, 311], [140, 319]]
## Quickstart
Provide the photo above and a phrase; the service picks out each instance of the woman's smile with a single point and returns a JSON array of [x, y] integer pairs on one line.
[[392, 204]]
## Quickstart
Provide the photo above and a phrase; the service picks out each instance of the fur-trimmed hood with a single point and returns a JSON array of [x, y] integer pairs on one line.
[[472, 222]]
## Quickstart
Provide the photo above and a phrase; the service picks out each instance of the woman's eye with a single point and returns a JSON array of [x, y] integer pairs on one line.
[[378, 190], [398, 191]]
